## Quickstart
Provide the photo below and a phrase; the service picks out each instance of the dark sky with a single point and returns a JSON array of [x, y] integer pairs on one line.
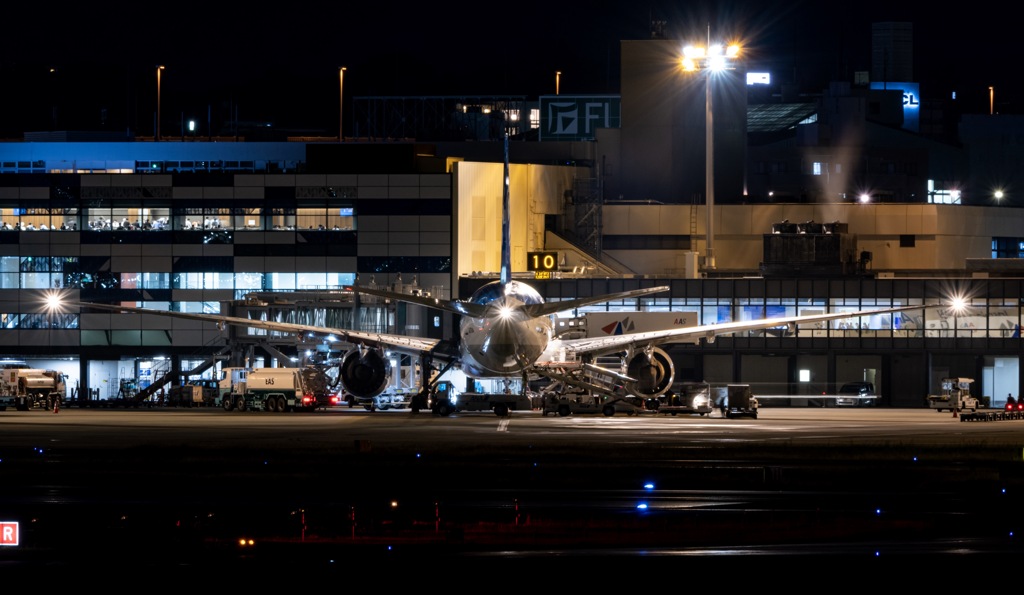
[[279, 63]]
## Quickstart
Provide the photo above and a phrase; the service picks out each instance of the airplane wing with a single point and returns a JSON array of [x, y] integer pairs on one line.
[[708, 332], [477, 310], [455, 306], [400, 343]]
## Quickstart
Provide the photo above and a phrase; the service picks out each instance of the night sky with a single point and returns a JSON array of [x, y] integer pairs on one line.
[[280, 64]]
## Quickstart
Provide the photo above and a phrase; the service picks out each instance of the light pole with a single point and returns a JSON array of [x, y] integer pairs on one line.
[[709, 60], [159, 69], [341, 99]]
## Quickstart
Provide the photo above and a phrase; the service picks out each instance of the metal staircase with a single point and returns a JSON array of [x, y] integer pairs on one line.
[[172, 373]]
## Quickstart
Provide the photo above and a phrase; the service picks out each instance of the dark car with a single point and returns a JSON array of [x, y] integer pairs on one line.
[[856, 394]]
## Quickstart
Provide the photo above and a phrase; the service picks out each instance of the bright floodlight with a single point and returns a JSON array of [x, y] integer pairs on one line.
[[693, 52], [715, 57], [54, 301], [958, 304]]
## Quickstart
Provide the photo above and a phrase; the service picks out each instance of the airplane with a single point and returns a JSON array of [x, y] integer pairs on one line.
[[506, 331]]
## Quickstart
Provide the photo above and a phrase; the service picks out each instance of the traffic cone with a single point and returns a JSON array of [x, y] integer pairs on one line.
[[954, 412], [56, 406]]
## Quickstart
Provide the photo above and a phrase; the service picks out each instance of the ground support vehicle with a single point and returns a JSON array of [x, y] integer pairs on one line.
[[955, 396], [686, 398], [1013, 409], [590, 389], [502, 404], [569, 404], [7, 401], [27, 388], [197, 394], [275, 390], [396, 399], [997, 415], [739, 402]]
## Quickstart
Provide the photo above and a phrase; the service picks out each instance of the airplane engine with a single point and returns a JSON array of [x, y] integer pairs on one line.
[[654, 373], [365, 373]]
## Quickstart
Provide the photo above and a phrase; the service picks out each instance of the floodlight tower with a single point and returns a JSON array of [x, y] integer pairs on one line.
[[707, 60]]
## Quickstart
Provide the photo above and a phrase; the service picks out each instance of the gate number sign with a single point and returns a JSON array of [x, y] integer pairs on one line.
[[542, 261]]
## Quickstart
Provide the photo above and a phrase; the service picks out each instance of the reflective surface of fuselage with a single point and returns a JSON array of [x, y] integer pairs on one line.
[[506, 339]]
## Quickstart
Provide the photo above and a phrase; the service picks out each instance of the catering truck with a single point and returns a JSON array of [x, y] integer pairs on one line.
[[25, 388]]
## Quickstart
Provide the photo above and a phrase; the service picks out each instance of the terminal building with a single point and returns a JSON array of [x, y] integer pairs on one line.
[[613, 188]]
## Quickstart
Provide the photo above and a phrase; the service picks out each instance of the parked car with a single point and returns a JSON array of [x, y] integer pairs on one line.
[[856, 394]]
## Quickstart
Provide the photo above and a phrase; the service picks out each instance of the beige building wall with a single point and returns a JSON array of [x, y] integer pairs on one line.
[[943, 236], [534, 191]]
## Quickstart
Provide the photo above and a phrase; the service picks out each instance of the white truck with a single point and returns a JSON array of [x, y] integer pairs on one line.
[[277, 390], [583, 403], [447, 401], [955, 396], [25, 388]]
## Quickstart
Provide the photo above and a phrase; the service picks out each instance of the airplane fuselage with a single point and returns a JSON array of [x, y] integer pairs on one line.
[[505, 340]]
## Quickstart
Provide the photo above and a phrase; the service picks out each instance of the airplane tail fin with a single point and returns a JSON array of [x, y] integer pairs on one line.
[[506, 232]]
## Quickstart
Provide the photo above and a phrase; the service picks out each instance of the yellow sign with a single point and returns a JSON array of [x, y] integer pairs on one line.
[[542, 261], [542, 274]]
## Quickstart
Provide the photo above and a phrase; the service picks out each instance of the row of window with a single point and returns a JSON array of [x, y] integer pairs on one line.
[[27, 272], [72, 272], [178, 218]]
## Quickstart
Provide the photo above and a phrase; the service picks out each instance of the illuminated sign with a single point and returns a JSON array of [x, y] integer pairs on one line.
[[911, 102], [9, 533], [759, 78], [572, 118], [542, 261]]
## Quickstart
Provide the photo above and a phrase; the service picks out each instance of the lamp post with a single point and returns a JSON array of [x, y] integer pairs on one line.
[[708, 60], [341, 99], [159, 69]]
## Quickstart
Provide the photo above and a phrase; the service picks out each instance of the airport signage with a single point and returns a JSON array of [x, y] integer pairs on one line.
[[542, 261], [911, 102], [575, 118], [9, 533]]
